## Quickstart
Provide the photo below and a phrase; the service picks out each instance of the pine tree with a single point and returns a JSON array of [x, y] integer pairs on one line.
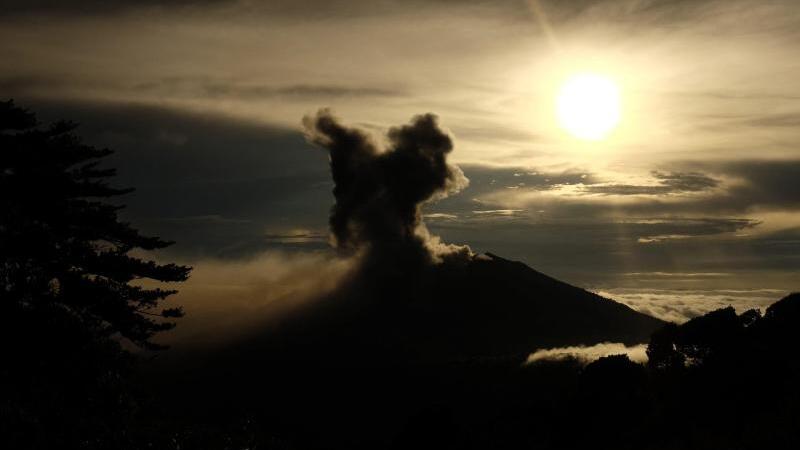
[[62, 244], [72, 291]]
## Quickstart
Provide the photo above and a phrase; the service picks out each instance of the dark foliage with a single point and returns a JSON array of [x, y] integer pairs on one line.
[[71, 292], [730, 381]]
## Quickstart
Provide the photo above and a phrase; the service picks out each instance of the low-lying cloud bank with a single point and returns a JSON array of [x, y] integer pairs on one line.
[[680, 305], [587, 354]]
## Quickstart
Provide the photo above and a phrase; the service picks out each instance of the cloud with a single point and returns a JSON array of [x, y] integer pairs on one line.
[[220, 187], [767, 183], [773, 120], [285, 8], [379, 192], [297, 236], [497, 212], [486, 181], [668, 183], [729, 187], [680, 305], [709, 188], [214, 88], [587, 354], [440, 216], [658, 230], [487, 178], [612, 231], [232, 189], [274, 47], [97, 6], [680, 274]]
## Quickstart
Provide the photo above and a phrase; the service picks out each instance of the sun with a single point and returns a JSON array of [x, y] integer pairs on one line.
[[588, 106]]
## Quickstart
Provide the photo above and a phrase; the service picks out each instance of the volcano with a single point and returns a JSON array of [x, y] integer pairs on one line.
[[350, 369], [485, 307]]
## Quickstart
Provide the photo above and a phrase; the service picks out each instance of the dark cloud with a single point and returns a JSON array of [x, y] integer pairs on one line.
[[587, 240], [298, 237], [726, 122], [98, 6], [198, 87], [728, 188], [737, 94], [220, 187], [578, 238], [591, 250], [216, 88], [18, 85], [668, 183], [750, 185], [497, 212], [379, 192], [774, 120], [686, 182], [487, 178], [673, 15], [558, 12], [498, 132], [227, 188], [768, 183], [305, 91], [658, 230], [288, 8]]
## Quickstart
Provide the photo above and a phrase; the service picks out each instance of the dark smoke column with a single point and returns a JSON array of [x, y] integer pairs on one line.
[[379, 191]]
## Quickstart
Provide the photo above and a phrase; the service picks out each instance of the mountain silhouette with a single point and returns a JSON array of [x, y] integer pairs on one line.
[[391, 342], [415, 325], [460, 310], [485, 307]]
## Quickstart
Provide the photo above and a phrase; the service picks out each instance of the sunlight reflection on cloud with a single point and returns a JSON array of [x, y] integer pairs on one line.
[[587, 354], [680, 305]]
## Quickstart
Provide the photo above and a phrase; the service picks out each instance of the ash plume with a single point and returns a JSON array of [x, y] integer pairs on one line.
[[380, 189]]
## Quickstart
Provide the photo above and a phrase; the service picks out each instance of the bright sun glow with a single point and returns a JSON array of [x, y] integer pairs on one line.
[[588, 106]]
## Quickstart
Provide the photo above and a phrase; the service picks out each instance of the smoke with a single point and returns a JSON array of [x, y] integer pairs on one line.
[[225, 300], [585, 355], [380, 189], [375, 223]]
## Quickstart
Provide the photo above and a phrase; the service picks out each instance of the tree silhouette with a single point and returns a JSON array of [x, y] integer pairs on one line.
[[662, 353], [62, 245], [71, 291], [703, 374]]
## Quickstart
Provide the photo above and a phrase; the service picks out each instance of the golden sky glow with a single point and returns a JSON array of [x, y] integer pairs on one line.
[[604, 112], [489, 74]]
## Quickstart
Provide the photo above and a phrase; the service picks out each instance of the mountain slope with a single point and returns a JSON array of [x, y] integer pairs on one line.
[[356, 369], [487, 307]]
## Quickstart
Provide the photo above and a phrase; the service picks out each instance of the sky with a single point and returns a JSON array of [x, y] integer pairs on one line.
[[691, 203]]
